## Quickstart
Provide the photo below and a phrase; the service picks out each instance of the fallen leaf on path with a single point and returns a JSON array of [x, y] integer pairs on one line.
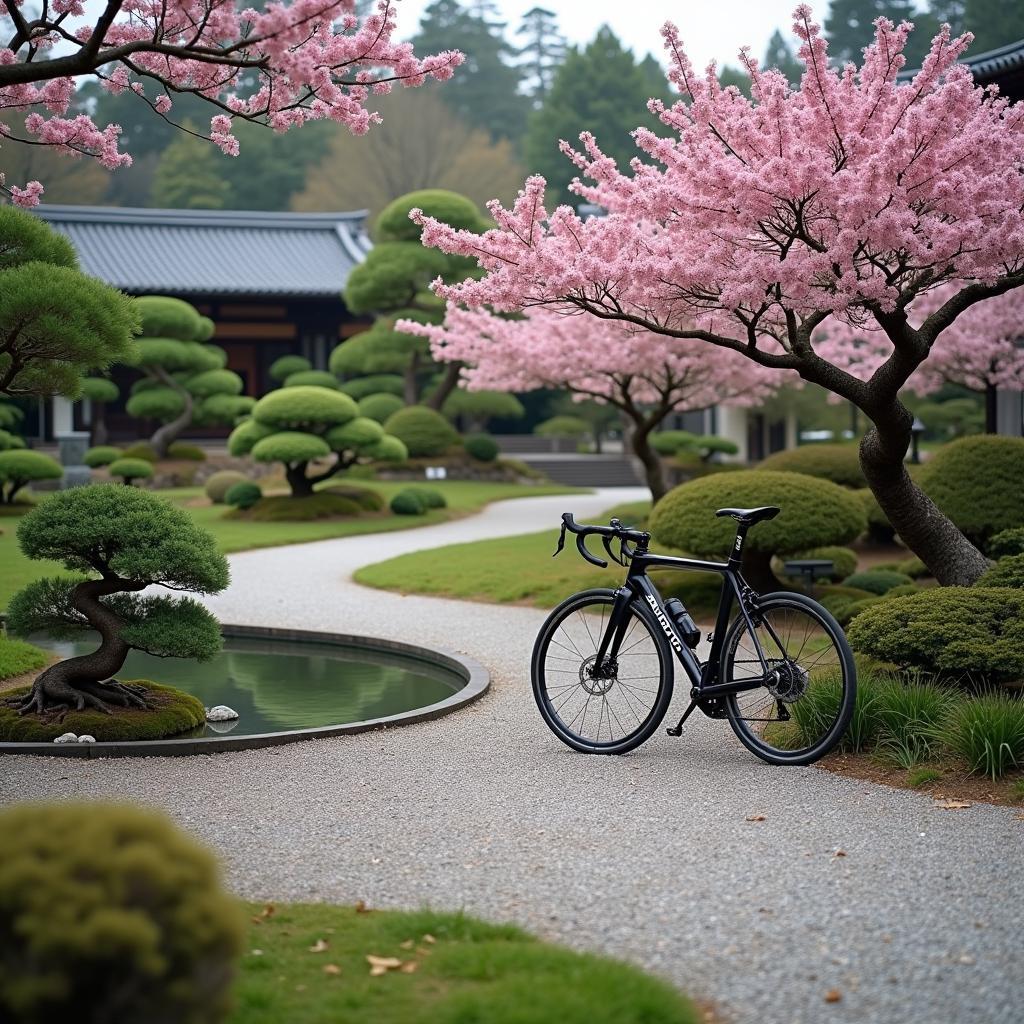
[[951, 805], [833, 995], [319, 946], [382, 964], [267, 911], [361, 907], [839, 853], [757, 817], [408, 967], [332, 969]]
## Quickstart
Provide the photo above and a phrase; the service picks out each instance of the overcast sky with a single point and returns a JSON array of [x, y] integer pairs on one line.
[[710, 29]]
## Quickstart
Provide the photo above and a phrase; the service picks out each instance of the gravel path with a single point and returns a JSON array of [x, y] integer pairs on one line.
[[649, 856]]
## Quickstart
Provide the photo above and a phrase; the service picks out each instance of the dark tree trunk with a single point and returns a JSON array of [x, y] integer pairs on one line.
[[13, 486], [654, 472], [931, 535], [98, 424], [991, 425], [170, 432], [410, 385], [300, 484], [78, 682], [448, 383]]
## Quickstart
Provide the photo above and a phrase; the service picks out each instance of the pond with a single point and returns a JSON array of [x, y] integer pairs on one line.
[[279, 685]]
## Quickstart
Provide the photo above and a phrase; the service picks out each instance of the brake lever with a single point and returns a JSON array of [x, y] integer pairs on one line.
[[592, 559], [561, 542], [611, 554]]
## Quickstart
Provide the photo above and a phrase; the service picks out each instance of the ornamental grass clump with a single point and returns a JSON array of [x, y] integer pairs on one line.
[[116, 542], [110, 913], [988, 733]]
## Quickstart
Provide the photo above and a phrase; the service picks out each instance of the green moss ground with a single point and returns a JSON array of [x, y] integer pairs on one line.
[[174, 713], [236, 534], [471, 973], [18, 657]]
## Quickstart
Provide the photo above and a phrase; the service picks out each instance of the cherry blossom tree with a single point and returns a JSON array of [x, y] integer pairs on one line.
[[759, 221], [645, 376], [281, 65]]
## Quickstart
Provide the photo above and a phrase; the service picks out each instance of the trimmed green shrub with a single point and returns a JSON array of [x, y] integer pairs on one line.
[[285, 508], [854, 608], [423, 431], [243, 495], [428, 496], [814, 513], [380, 405], [844, 560], [302, 407], [913, 567], [880, 529], [170, 713], [374, 384], [18, 657], [563, 426], [481, 447], [221, 482], [876, 581], [836, 462], [318, 378], [99, 389], [9, 441], [1007, 572], [131, 469], [102, 455], [988, 733], [977, 482], [960, 631], [1007, 542], [904, 588], [407, 503], [281, 369], [668, 442], [19, 467], [448, 207], [111, 913], [186, 452], [141, 450]]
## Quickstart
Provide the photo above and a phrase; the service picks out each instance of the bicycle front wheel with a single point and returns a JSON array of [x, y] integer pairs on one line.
[[608, 713], [803, 712]]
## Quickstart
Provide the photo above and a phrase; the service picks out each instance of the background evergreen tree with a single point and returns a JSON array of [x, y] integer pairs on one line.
[[542, 52], [601, 89], [849, 27], [485, 91], [190, 176], [993, 22], [780, 55]]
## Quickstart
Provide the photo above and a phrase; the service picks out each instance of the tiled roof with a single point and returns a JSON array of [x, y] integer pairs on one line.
[[231, 252], [989, 66]]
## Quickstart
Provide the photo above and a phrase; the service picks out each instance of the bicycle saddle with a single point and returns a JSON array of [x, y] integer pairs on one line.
[[750, 515]]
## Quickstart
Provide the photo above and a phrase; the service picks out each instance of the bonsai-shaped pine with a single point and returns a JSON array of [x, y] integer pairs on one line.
[[55, 322], [306, 424], [281, 369], [129, 470], [99, 391], [392, 282], [19, 467], [119, 541], [185, 381]]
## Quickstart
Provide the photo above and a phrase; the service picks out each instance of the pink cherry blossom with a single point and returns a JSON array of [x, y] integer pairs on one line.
[[296, 60]]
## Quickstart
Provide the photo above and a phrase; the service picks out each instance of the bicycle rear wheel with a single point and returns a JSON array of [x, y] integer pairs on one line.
[[804, 712], [613, 713]]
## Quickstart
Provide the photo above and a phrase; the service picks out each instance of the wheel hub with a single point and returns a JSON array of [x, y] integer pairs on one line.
[[597, 682], [790, 681]]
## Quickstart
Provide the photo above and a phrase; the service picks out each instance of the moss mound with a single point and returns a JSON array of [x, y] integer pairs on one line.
[[285, 508], [172, 713]]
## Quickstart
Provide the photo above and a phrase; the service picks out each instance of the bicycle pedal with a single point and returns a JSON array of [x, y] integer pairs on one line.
[[676, 730]]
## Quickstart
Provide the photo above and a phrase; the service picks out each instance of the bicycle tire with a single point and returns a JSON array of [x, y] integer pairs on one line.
[[740, 717], [545, 689]]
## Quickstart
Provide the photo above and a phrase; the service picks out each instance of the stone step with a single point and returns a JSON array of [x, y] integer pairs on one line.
[[587, 470]]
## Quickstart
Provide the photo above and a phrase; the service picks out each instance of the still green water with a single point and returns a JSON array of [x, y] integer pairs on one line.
[[276, 686]]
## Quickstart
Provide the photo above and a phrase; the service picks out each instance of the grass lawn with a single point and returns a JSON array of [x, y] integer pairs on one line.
[[307, 964], [463, 496], [18, 657]]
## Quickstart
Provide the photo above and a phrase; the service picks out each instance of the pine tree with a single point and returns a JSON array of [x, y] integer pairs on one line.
[[850, 24], [993, 22], [780, 55], [600, 89], [485, 91], [543, 51], [191, 176]]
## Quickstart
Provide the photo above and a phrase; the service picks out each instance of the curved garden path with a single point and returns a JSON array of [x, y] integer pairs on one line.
[[651, 856]]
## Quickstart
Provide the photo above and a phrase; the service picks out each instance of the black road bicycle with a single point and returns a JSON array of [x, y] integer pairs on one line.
[[602, 665]]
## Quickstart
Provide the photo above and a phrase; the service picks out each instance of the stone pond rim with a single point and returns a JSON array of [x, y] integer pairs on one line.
[[476, 678]]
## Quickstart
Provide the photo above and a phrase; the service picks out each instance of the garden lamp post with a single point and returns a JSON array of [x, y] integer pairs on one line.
[[916, 430]]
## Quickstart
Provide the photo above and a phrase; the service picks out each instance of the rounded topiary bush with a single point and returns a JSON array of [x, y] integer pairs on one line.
[[367, 500], [422, 431], [1007, 542], [374, 384], [836, 462], [243, 495], [130, 470], [141, 450], [221, 482], [283, 368], [429, 497], [317, 378], [960, 631], [285, 508], [185, 451], [407, 503], [977, 481], [111, 913], [305, 405], [847, 613], [814, 513], [1007, 572], [481, 447], [102, 455], [877, 581], [562, 426], [380, 406], [844, 561], [393, 221], [20, 467]]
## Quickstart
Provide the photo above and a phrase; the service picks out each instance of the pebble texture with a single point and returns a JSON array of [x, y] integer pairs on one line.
[[849, 902]]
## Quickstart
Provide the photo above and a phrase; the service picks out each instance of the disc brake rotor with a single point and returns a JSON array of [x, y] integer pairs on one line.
[[597, 685]]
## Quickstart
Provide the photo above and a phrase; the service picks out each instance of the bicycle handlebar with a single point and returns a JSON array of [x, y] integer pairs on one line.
[[614, 531]]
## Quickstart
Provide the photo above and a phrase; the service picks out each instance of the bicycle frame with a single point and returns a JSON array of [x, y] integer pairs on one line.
[[706, 688]]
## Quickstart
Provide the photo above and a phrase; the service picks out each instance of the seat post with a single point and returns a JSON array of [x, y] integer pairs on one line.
[[736, 554]]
